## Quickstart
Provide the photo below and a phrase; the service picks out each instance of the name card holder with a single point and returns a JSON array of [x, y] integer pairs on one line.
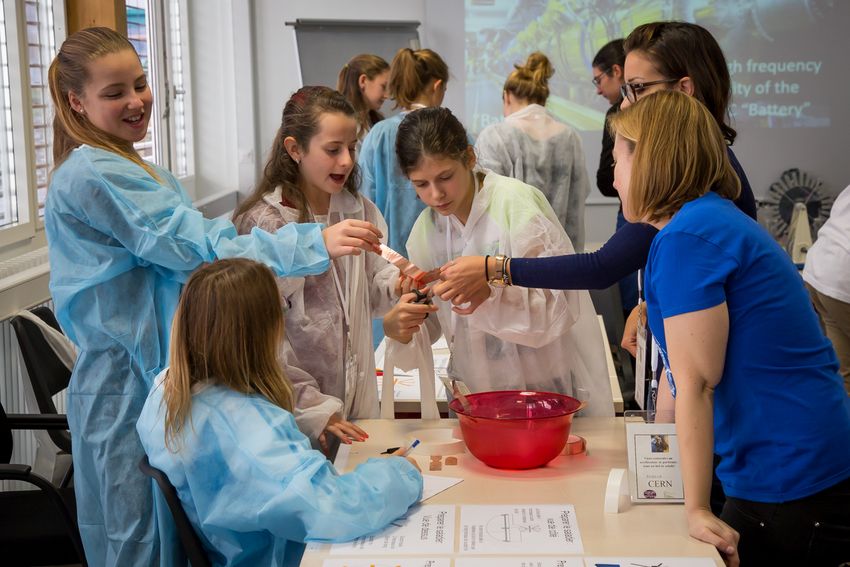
[[655, 474]]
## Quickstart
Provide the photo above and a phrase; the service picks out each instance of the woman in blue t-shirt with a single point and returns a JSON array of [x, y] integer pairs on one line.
[[752, 374]]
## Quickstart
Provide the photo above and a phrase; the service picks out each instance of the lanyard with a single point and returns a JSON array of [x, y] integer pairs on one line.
[[450, 254], [343, 297]]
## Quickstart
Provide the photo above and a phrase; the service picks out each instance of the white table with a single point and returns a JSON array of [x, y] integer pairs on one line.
[[642, 530]]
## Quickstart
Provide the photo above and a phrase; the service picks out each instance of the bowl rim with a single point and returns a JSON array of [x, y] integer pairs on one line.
[[459, 409]]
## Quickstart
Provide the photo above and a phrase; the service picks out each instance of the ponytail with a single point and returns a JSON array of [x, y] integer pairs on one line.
[[531, 81], [412, 72]]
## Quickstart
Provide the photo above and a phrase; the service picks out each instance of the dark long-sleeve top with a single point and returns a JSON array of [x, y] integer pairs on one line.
[[605, 172], [625, 252]]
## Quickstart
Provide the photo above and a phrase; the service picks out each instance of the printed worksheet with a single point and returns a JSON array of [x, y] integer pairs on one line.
[[426, 530], [649, 562], [403, 562], [548, 529], [433, 485], [528, 561]]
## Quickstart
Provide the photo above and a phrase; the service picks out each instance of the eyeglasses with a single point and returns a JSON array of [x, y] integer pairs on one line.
[[598, 78], [630, 91]]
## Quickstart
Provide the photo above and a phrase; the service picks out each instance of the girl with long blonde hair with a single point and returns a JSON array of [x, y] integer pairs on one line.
[[218, 422], [123, 236]]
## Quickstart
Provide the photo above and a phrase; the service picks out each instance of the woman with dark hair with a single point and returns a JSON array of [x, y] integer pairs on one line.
[[608, 69], [696, 65]]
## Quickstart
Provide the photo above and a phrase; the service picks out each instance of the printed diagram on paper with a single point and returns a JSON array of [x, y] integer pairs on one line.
[[425, 530], [649, 562], [388, 562], [508, 529], [519, 562]]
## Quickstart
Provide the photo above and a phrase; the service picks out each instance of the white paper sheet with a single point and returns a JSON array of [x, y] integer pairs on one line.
[[529, 561], [390, 562], [433, 485], [505, 529], [649, 562], [425, 530]]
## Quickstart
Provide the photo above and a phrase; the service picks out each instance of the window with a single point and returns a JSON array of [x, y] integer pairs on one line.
[[30, 34], [9, 213], [41, 46], [155, 30], [27, 43]]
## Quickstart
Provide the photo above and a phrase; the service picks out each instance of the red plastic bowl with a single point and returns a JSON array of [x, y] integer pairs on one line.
[[516, 429]]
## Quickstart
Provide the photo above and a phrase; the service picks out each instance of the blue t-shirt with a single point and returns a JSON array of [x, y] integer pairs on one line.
[[781, 415]]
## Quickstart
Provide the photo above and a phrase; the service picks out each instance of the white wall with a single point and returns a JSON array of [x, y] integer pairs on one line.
[[276, 58], [277, 73], [222, 96]]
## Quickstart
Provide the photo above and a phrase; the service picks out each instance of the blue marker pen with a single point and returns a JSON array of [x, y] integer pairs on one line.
[[411, 448]]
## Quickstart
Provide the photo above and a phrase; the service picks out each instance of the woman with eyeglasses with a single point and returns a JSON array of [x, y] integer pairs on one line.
[[677, 55], [608, 69]]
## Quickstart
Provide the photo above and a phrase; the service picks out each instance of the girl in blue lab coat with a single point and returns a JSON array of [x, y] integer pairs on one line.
[[218, 422], [123, 237]]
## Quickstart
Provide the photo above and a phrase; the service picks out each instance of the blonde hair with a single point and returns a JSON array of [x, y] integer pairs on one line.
[[531, 81], [69, 73], [348, 83], [679, 154], [412, 71], [226, 330]]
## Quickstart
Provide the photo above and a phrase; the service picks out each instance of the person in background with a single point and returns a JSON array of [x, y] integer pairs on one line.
[[608, 70], [311, 176], [417, 80], [750, 374], [539, 340], [123, 237], [363, 82], [218, 422], [827, 277], [533, 146]]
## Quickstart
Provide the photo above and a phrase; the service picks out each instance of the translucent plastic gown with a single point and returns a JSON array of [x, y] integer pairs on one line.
[[315, 349], [253, 488], [534, 147], [520, 338], [121, 246]]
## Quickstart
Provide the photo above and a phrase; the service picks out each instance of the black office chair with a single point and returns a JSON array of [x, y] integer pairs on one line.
[[37, 527], [47, 374], [192, 545]]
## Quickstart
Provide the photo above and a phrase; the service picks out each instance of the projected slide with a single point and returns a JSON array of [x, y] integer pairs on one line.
[[778, 52]]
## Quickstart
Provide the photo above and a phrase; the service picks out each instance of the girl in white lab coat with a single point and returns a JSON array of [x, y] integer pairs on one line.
[[535, 339], [311, 176]]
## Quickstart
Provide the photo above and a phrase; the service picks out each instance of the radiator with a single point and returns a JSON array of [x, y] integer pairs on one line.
[[13, 396]]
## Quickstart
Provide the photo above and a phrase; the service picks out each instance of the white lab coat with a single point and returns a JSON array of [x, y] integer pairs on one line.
[[313, 350], [520, 338], [533, 146]]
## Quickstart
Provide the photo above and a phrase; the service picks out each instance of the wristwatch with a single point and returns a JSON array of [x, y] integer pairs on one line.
[[500, 277]]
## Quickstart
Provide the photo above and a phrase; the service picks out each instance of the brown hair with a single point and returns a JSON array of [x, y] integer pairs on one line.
[[348, 84], [679, 154], [682, 49], [69, 73], [226, 330], [300, 119], [433, 132], [531, 81], [412, 72]]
